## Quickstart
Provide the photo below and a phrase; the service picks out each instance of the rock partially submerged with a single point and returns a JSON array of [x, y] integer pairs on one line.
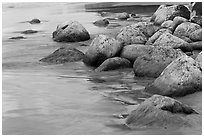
[[183, 76], [102, 48], [114, 63], [63, 55], [71, 31], [17, 37], [155, 61], [34, 21], [164, 13], [29, 31], [160, 111], [101, 23]]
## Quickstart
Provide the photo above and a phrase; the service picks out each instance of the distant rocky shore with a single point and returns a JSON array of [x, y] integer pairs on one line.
[[166, 46]]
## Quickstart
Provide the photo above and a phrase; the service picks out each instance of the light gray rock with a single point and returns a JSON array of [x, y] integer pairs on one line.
[[155, 61], [71, 31], [167, 24], [114, 63], [132, 52], [100, 49], [183, 76], [196, 45], [199, 59], [160, 111], [177, 21], [196, 35]]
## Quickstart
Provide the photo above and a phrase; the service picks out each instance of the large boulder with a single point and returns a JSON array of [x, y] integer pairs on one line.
[[169, 40], [71, 31], [160, 111], [155, 61], [132, 52], [122, 16], [156, 35], [63, 55], [177, 21], [183, 76], [164, 13], [196, 35], [101, 23], [199, 59], [131, 35], [114, 63], [196, 45], [100, 49], [185, 29]]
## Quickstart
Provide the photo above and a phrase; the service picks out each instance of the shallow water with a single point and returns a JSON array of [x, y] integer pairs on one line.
[[70, 98]]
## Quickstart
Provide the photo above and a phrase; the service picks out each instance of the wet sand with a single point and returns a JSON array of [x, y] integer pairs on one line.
[[70, 98]]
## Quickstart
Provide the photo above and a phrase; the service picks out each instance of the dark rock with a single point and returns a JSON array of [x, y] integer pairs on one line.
[[114, 63], [164, 13], [197, 20], [183, 76], [155, 61], [18, 37], [71, 31], [160, 111], [199, 59], [197, 8], [196, 45], [196, 35], [101, 48], [34, 21], [156, 35], [132, 52], [169, 40], [101, 23], [185, 29], [63, 55], [29, 31]]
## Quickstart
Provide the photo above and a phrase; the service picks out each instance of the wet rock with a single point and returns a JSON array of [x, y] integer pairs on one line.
[[114, 63], [196, 35], [29, 31], [167, 24], [102, 48], [101, 23], [155, 61], [160, 111], [164, 13], [177, 21], [122, 16], [34, 21], [169, 40], [197, 20], [130, 35], [71, 31], [64, 55], [196, 45], [132, 52], [156, 35], [199, 59], [185, 29], [183, 76], [17, 37]]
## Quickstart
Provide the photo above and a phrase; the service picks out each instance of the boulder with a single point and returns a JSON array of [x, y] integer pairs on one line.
[[34, 21], [122, 16], [164, 13], [71, 31], [197, 20], [130, 35], [114, 63], [185, 29], [155, 61], [160, 111], [167, 24], [100, 49], [64, 55], [101, 23], [199, 59], [196, 45], [156, 35], [29, 31], [183, 76], [196, 35], [177, 21], [132, 52], [169, 40], [197, 8]]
